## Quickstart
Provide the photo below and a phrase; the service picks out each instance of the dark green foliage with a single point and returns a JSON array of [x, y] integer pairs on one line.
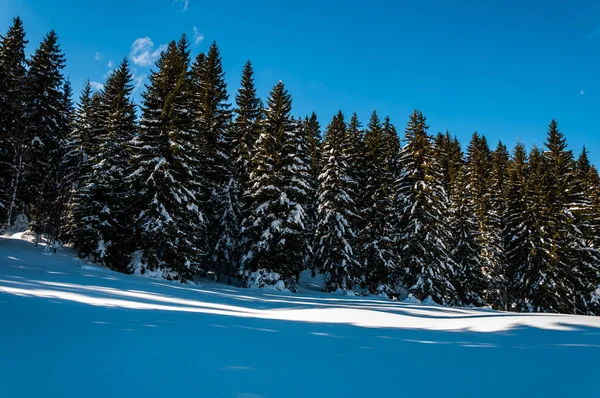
[[335, 236], [212, 118], [109, 213], [81, 146], [277, 242], [167, 172], [423, 206], [13, 145], [45, 131], [376, 237]]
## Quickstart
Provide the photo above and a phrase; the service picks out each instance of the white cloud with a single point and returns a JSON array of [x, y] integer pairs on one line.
[[581, 92], [96, 86], [186, 4], [143, 52], [198, 37], [110, 64], [98, 56]]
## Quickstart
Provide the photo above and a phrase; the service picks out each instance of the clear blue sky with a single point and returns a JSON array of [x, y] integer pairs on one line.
[[503, 68]]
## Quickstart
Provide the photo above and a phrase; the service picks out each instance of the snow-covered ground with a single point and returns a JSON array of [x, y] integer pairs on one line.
[[69, 329]]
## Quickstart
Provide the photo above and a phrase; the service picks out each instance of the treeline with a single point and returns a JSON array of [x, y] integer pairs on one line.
[[250, 191]]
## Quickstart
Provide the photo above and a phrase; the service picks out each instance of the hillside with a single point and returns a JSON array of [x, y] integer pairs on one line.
[[70, 329]]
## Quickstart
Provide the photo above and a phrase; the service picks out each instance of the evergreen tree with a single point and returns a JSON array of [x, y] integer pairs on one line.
[[535, 276], [246, 126], [449, 158], [497, 294], [12, 142], [81, 145], [376, 239], [423, 205], [277, 244], [212, 119], [45, 128], [465, 250], [312, 130], [110, 214], [167, 176], [334, 256], [575, 261]]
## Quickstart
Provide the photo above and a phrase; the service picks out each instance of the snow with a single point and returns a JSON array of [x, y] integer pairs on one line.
[[68, 328]]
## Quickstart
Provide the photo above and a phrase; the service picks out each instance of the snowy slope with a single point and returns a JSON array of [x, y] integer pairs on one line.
[[73, 330]]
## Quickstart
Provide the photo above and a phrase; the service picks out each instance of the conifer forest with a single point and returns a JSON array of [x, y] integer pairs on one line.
[[199, 180]]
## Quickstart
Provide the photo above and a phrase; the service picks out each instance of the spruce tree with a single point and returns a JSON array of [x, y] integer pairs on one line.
[[465, 250], [45, 128], [334, 237], [81, 146], [536, 278], [169, 224], [449, 157], [423, 205], [12, 140], [110, 213], [376, 238], [212, 118], [575, 260], [246, 126], [277, 245], [312, 130], [497, 294]]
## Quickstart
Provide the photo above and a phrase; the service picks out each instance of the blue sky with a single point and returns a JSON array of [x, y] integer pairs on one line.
[[503, 68]]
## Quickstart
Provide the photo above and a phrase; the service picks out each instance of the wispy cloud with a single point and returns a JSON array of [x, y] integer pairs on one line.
[[138, 82], [98, 56], [595, 33], [581, 92], [110, 64], [96, 86], [143, 52], [186, 4], [198, 37]]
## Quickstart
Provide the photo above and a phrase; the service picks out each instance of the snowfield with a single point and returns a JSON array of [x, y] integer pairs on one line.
[[70, 329]]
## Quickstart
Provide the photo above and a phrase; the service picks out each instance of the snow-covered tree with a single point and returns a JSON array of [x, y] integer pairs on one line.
[[167, 173], [45, 132], [334, 237], [109, 215], [376, 238], [212, 118], [465, 250], [276, 239], [12, 141], [423, 204]]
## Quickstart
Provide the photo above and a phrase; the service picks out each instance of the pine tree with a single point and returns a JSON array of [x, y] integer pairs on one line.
[[212, 119], [376, 239], [12, 143], [170, 224], [312, 130], [110, 213], [465, 250], [45, 131], [334, 237], [536, 278], [246, 126], [497, 294], [449, 158], [277, 245], [575, 261], [81, 145], [423, 205]]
